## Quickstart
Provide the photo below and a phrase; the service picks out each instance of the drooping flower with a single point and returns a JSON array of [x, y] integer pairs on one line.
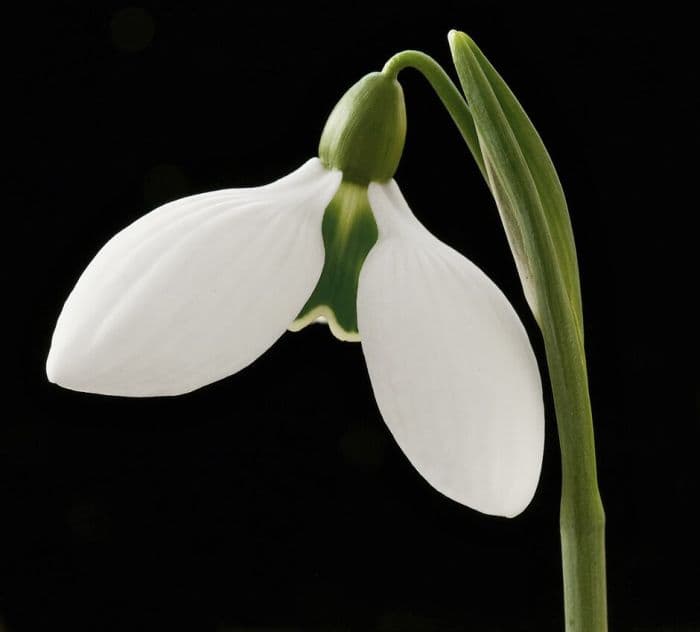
[[197, 289]]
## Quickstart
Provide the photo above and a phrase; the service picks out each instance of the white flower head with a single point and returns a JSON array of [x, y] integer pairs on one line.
[[197, 289]]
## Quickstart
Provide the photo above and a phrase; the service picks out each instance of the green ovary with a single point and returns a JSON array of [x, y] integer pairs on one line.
[[349, 232]]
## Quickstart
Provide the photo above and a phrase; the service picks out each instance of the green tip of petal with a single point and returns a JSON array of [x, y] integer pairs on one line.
[[323, 314]]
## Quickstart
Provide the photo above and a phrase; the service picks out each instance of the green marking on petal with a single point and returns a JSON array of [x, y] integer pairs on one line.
[[349, 232], [325, 315]]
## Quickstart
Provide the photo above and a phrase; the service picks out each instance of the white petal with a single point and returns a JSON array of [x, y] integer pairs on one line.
[[452, 369], [195, 290]]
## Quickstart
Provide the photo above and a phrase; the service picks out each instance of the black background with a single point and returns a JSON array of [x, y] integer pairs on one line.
[[276, 499]]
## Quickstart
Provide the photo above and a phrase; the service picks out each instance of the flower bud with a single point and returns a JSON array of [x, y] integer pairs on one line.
[[365, 133]]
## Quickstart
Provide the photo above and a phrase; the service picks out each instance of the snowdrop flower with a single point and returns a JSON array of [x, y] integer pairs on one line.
[[199, 288]]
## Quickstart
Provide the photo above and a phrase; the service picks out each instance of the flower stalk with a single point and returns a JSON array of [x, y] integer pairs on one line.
[[524, 183], [446, 91]]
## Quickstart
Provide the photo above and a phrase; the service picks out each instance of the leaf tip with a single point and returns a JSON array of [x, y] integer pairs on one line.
[[455, 37]]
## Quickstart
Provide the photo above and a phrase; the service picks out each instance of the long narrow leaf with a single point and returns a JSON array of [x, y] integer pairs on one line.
[[534, 212], [523, 180]]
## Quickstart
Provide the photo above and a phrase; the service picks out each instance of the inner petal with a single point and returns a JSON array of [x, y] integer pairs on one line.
[[349, 232]]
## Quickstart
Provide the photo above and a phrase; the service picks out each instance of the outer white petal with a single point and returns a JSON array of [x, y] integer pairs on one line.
[[195, 290], [452, 368]]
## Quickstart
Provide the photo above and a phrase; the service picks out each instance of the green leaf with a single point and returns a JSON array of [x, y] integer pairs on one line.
[[523, 181], [533, 209]]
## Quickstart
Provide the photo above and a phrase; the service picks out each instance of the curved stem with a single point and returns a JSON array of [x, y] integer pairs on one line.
[[446, 90]]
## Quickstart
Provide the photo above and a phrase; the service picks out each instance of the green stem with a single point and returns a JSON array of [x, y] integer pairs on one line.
[[447, 92], [582, 521]]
